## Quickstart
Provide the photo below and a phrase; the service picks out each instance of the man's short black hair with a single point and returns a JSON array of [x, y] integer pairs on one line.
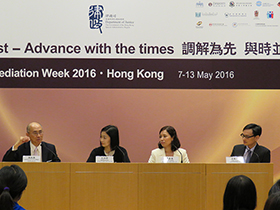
[[257, 130]]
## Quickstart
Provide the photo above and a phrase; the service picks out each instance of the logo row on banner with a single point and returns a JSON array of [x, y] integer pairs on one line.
[[260, 11]]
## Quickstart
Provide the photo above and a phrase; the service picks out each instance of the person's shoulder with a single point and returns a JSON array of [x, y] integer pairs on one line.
[[18, 207], [157, 150], [239, 146], [98, 149], [263, 148], [182, 150], [122, 148], [48, 144]]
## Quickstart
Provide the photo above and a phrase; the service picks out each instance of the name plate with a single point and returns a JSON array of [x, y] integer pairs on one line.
[[31, 158], [104, 159], [170, 159], [235, 159]]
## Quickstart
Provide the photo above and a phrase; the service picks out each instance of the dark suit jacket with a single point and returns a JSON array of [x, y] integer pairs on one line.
[[119, 156], [261, 154], [48, 153]]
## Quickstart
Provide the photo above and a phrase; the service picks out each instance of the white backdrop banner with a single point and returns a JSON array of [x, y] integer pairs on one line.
[[186, 29], [140, 44]]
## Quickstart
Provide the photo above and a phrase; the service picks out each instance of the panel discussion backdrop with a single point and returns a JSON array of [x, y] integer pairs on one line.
[[206, 67]]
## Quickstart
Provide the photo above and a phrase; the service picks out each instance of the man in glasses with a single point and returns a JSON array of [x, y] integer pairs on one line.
[[32, 144], [250, 149]]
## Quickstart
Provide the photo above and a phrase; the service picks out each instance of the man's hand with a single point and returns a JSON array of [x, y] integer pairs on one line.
[[21, 140]]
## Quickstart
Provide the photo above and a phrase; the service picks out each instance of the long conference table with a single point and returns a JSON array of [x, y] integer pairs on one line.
[[136, 186]]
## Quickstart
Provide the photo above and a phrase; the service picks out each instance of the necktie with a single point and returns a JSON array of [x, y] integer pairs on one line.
[[36, 153], [248, 156]]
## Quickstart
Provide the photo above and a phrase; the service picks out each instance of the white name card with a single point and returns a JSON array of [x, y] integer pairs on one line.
[[170, 159], [31, 158], [235, 159], [104, 159]]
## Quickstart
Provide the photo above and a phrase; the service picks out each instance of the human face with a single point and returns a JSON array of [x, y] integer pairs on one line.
[[105, 140], [35, 133], [165, 139], [249, 139]]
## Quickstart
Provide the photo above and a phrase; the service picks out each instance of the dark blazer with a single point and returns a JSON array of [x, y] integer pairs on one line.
[[260, 155], [119, 156], [48, 153]]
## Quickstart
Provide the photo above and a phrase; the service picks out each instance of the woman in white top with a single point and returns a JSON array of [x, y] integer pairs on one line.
[[169, 145]]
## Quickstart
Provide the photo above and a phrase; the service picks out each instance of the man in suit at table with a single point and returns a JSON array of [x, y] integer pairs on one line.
[[250, 149], [32, 144]]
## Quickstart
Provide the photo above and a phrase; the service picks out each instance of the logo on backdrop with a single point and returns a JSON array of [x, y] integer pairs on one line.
[[198, 14], [199, 23], [270, 14], [199, 4], [234, 25], [259, 3], [256, 13], [95, 17]]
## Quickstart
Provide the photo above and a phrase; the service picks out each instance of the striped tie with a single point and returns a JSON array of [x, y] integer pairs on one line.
[[248, 156]]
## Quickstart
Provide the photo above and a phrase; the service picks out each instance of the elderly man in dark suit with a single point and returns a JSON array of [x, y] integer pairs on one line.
[[250, 149], [32, 144]]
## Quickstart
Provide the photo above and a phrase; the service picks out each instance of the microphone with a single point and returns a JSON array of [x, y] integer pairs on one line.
[[56, 159], [179, 152], [121, 152], [259, 160]]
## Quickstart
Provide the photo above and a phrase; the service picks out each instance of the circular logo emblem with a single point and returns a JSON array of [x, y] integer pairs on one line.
[[231, 4], [259, 3]]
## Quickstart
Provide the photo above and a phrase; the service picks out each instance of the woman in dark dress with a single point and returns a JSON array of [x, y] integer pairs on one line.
[[109, 146]]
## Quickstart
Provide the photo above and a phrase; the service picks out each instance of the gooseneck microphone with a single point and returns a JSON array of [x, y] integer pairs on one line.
[[122, 153], [56, 159], [179, 152]]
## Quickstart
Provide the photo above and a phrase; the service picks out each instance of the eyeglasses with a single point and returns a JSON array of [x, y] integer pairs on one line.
[[246, 137], [35, 133]]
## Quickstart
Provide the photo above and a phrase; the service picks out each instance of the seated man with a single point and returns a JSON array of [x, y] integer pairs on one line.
[[32, 144], [250, 149]]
